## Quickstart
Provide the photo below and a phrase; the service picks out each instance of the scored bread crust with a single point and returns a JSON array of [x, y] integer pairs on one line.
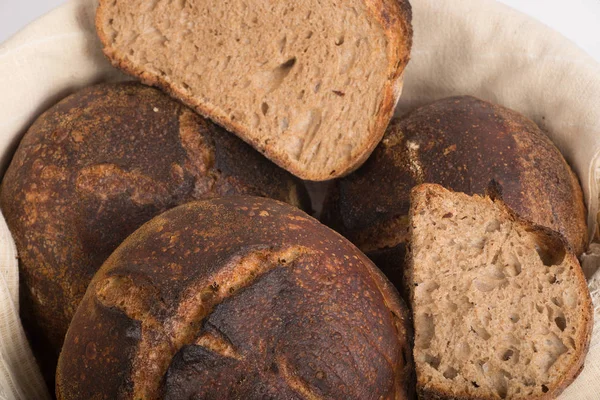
[[394, 16], [184, 272], [439, 393], [96, 166]]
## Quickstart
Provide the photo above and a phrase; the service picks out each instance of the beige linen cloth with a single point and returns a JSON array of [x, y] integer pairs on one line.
[[476, 47]]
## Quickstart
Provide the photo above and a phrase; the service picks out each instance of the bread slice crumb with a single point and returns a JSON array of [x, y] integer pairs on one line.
[[501, 308], [312, 84]]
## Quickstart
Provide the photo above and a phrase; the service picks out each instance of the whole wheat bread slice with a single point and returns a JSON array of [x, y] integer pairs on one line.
[[501, 308], [312, 84]]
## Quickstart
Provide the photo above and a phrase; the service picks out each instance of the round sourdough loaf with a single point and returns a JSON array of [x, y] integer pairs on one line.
[[461, 143], [237, 298], [94, 168]]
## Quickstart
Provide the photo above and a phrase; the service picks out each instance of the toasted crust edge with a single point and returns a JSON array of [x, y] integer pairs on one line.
[[576, 366], [394, 16]]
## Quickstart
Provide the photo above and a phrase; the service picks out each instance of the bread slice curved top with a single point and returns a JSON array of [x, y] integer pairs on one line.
[[500, 306], [311, 84]]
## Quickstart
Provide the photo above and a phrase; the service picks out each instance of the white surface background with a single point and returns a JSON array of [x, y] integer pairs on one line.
[[579, 20]]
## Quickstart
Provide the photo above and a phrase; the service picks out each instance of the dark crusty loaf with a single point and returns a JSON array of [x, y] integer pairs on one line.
[[312, 84], [237, 298], [500, 306], [461, 143], [94, 168]]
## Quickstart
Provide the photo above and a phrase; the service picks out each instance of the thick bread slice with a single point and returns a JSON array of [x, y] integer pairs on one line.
[[312, 84], [501, 308]]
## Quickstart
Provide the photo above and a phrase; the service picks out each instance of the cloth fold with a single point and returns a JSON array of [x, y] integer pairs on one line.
[[476, 47]]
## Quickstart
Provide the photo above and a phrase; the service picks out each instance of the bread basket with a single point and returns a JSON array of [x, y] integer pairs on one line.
[[476, 47]]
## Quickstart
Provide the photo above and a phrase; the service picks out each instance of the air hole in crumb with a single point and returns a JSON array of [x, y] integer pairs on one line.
[[339, 40], [309, 34], [507, 355], [539, 308], [561, 322], [450, 373], [317, 87], [551, 279], [286, 66], [545, 389], [557, 301], [432, 360], [264, 107], [550, 249], [282, 44], [474, 384], [514, 318], [270, 81], [481, 332]]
